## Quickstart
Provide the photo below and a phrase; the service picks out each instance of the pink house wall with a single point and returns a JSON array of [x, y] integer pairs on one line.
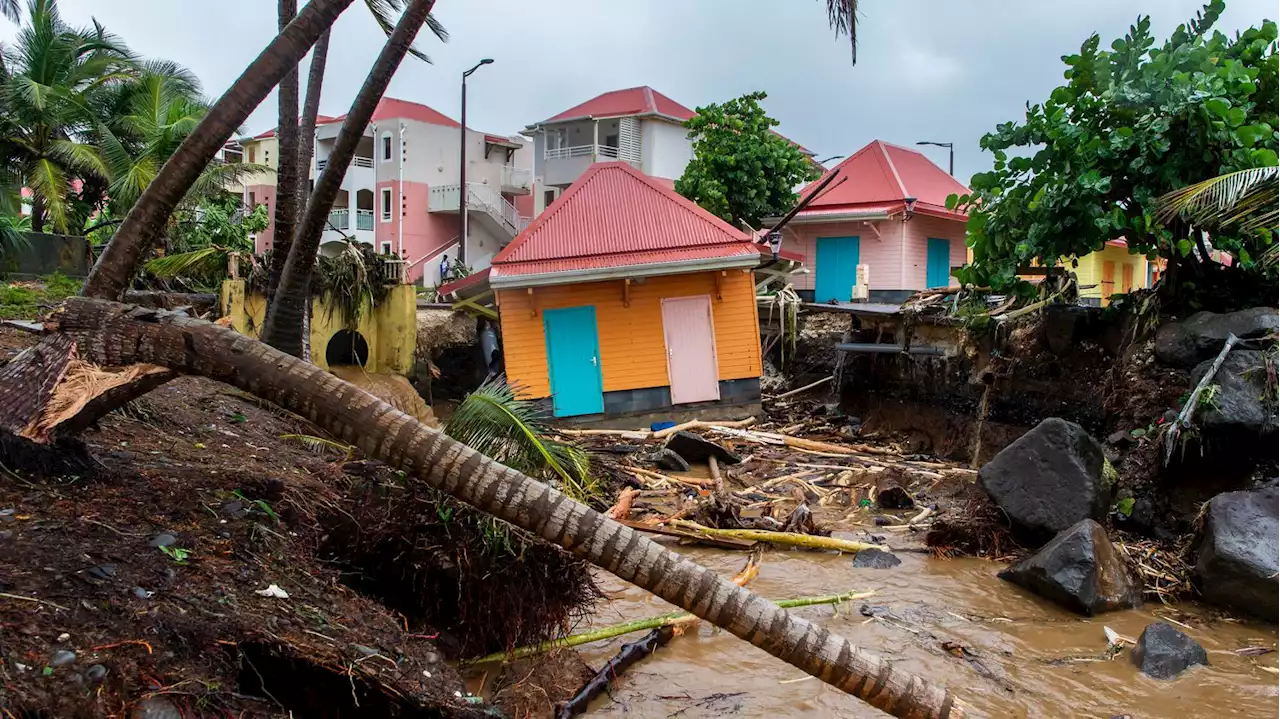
[[264, 195], [897, 257], [423, 232]]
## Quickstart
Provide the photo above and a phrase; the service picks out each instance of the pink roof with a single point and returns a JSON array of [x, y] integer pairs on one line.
[[320, 120], [615, 216], [642, 100], [389, 108], [879, 178]]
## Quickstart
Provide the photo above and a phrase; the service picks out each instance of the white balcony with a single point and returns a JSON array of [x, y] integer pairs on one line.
[[516, 179], [366, 162], [563, 165]]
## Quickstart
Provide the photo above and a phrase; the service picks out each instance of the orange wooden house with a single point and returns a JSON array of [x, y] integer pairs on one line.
[[625, 298]]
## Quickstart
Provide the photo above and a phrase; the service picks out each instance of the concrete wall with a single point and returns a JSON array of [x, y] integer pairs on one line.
[[919, 230], [665, 149], [390, 329], [897, 257], [632, 346], [46, 254]]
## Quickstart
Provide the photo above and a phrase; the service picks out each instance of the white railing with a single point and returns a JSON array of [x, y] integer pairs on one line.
[[517, 177], [364, 220], [480, 197], [366, 162], [340, 218], [600, 152]]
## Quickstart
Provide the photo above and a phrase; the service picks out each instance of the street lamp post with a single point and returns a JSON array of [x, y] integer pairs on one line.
[[951, 153], [462, 166]]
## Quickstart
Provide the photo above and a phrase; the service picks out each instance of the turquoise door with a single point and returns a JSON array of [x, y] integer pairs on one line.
[[837, 269], [938, 267], [573, 361]]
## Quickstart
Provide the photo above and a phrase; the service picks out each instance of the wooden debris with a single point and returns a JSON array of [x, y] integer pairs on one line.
[[790, 539], [622, 508], [628, 655], [800, 390], [673, 530]]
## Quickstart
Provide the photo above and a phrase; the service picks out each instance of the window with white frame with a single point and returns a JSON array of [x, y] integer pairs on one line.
[[386, 247], [386, 147], [386, 204]]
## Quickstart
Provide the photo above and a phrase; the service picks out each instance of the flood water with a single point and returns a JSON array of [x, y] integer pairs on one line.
[[1022, 646]]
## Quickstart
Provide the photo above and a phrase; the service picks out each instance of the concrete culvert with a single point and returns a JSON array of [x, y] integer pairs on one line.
[[346, 347]]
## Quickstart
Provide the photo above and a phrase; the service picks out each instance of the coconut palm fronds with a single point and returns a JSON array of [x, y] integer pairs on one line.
[[202, 262], [494, 422], [1246, 200]]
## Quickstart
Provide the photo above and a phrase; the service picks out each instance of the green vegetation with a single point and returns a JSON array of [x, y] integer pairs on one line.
[[28, 300], [742, 171], [1131, 124]]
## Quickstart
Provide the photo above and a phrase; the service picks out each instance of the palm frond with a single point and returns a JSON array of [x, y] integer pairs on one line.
[[1245, 200], [203, 262], [842, 16], [49, 181], [11, 10], [384, 13], [494, 422]]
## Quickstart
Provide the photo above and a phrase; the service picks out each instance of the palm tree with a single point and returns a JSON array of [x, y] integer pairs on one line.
[[842, 15], [113, 334], [141, 228], [295, 136], [283, 326], [47, 83]]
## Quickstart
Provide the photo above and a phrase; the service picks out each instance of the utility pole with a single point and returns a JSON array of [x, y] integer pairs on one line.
[[462, 167]]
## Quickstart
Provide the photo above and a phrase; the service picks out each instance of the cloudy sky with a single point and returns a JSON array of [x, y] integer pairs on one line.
[[927, 70]]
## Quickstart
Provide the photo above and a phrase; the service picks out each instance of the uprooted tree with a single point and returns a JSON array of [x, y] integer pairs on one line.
[[36, 396], [1132, 123]]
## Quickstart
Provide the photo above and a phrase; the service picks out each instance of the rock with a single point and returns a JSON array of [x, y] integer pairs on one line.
[[102, 571], [1238, 556], [163, 539], [235, 509], [1163, 652], [1201, 336], [62, 657], [1120, 437], [155, 708], [1242, 403], [695, 449], [95, 673], [1049, 478], [670, 461], [141, 593], [875, 559], [1080, 570]]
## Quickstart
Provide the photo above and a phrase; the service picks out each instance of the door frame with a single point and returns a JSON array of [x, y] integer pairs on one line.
[[711, 325], [546, 347]]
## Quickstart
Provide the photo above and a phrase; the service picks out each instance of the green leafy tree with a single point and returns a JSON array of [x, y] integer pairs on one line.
[[1131, 124], [742, 171]]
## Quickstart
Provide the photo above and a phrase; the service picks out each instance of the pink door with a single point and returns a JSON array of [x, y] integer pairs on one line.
[[691, 349]]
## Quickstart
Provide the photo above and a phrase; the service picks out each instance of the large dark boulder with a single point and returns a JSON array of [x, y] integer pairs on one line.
[[1242, 402], [1239, 553], [1163, 652], [695, 449], [1049, 479], [1080, 570], [1201, 336]]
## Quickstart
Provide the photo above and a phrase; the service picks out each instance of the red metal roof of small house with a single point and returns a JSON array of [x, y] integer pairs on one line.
[[879, 178], [475, 279], [643, 100], [616, 216], [320, 120]]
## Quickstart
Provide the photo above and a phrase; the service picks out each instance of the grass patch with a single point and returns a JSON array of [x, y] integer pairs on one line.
[[29, 299]]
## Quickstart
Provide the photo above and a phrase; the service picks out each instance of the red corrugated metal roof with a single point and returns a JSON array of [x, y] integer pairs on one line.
[[614, 215], [642, 100], [320, 120], [471, 280], [881, 174]]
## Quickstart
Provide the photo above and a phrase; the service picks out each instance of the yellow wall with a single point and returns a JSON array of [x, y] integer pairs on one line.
[[1089, 271], [390, 329], [265, 152], [633, 353]]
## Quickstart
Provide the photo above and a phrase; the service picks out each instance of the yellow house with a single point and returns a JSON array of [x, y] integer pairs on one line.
[[1111, 270]]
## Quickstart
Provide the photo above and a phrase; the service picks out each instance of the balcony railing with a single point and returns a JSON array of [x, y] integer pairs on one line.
[[340, 219], [480, 197], [599, 152], [517, 177], [366, 162]]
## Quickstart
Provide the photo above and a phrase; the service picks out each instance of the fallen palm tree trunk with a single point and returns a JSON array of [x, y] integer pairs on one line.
[[640, 625], [790, 539], [117, 335], [628, 655], [669, 531]]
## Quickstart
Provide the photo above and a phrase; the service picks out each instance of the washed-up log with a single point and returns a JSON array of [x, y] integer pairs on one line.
[[789, 539], [622, 508], [113, 334], [640, 625], [716, 477], [690, 481], [700, 424], [628, 655], [670, 531]]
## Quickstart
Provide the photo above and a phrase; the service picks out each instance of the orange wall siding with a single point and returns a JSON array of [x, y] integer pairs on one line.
[[633, 353]]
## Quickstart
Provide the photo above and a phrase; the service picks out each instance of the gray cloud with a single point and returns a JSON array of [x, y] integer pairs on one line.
[[926, 70]]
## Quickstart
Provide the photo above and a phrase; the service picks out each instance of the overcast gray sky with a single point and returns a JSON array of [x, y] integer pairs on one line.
[[927, 70]]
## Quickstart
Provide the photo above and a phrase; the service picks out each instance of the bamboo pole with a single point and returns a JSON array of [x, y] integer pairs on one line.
[[700, 424], [1189, 409], [805, 388], [640, 625], [790, 539]]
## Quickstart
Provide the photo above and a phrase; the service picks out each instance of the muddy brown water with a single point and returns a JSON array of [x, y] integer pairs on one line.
[[1030, 658]]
